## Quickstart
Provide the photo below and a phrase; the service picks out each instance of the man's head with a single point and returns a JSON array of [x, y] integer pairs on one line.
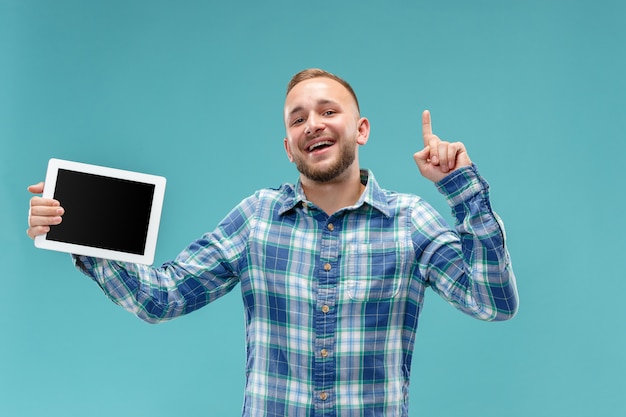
[[323, 125]]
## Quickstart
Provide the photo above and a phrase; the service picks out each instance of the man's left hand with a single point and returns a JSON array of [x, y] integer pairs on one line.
[[439, 158]]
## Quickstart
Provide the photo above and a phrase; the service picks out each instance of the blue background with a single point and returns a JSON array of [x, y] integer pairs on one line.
[[193, 90]]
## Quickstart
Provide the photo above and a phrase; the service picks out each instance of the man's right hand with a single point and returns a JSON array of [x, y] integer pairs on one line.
[[43, 212]]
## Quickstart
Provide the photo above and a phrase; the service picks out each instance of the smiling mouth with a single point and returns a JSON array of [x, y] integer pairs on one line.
[[320, 145]]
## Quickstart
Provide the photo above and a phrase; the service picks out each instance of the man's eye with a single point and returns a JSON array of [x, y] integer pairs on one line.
[[329, 112], [297, 121]]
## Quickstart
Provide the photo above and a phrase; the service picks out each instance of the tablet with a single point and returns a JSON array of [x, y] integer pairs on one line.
[[109, 213]]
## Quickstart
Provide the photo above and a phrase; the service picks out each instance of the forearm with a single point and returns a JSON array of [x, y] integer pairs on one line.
[[204, 271], [482, 282], [158, 294], [152, 294], [127, 285]]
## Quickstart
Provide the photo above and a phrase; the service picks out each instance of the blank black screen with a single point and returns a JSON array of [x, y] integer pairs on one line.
[[102, 212]]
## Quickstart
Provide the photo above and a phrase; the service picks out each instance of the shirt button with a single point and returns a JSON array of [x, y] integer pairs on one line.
[[327, 267], [324, 353], [331, 227], [323, 396], [325, 309]]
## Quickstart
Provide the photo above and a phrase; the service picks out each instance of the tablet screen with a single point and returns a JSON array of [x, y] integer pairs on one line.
[[109, 213], [103, 212]]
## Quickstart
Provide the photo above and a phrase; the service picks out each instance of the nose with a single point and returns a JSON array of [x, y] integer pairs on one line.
[[313, 124]]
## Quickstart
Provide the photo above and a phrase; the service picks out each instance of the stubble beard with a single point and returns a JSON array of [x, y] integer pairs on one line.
[[347, 155]]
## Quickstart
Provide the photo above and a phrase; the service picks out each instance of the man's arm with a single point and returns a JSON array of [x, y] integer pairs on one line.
[[207, 269], [469, 267]]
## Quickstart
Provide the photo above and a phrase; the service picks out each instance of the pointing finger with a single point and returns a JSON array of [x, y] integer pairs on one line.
[[427, 128], [430, 140]]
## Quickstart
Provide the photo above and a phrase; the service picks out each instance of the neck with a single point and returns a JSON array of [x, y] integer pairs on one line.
[[334, 195]]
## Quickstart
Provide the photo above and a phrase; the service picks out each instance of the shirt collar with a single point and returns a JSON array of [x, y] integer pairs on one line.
[[373, 195]]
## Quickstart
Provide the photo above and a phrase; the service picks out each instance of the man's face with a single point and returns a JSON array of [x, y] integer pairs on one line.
[[323, 129]]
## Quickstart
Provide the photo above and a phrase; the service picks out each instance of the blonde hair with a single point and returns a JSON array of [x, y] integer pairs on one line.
[[310, 73]]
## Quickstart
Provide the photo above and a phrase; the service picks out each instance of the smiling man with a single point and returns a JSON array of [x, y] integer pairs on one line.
[[324, 130], [333, 270]]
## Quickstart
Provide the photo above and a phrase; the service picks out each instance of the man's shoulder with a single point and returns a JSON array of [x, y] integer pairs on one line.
[[394, 197], [278, 199], [285, 190]]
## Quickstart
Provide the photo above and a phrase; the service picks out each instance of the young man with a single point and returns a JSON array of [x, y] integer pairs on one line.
[[333, 270]]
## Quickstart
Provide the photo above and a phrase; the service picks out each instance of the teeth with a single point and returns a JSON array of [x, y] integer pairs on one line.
[[326, 142]]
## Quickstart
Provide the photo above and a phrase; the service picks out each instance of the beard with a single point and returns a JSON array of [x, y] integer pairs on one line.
[[347, 155]]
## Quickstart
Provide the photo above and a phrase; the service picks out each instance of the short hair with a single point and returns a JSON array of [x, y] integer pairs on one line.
[[311, 73]]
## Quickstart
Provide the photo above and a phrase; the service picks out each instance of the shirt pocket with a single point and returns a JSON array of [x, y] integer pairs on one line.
[[375, 270]]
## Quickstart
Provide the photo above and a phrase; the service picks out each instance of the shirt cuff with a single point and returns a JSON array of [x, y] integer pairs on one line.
[[462, 185], [85, 264]]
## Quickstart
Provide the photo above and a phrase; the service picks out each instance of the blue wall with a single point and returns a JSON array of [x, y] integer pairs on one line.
[[193, 90]]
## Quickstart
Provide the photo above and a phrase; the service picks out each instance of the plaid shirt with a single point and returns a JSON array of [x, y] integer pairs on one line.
[[331, 302]]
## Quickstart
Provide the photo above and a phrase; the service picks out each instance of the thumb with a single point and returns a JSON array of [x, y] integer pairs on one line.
[[36, 188], [422, 157]]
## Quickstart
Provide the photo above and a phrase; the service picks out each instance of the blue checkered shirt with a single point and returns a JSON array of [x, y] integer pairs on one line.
[[331, 302]]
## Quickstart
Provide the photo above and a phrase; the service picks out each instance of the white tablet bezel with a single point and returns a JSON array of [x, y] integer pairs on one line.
[[155, 213]]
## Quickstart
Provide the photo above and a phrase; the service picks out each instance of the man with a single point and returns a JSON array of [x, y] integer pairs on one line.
[[333, 270]]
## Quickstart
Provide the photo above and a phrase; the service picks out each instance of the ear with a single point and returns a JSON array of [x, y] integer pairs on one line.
[[363, 128], [288, 149]]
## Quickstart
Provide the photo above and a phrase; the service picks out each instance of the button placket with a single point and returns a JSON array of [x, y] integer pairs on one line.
[[325, 320]]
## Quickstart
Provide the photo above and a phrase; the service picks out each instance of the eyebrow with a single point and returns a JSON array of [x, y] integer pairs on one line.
[[321, 102]]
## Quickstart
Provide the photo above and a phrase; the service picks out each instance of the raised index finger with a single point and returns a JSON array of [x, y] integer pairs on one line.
[[427, 128]]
